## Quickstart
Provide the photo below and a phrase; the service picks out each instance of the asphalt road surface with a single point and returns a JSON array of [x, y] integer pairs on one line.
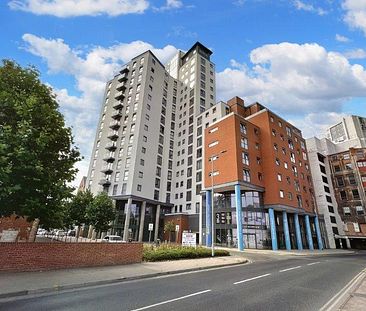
[[289, 283]]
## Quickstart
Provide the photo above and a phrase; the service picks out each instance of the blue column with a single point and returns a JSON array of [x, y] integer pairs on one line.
[[308, 233], [298, 232], [272, 223], [208, 218], [318, 234], [286, 231], [239, 221]]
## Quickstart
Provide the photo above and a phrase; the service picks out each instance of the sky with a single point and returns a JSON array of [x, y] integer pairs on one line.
[[303, 59]]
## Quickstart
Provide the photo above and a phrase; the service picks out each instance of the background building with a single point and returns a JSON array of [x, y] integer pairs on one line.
[[340, 180]]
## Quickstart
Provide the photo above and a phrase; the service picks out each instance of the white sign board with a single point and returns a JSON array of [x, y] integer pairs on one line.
[[9, 236], [151, 227], [176, 228], [188, 239]]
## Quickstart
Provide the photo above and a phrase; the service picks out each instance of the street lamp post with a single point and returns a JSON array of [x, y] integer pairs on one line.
[[212, 159]]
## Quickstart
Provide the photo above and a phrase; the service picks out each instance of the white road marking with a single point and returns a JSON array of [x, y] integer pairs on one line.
[[172, 300], [313, 263], [251, 279], [288, 269]]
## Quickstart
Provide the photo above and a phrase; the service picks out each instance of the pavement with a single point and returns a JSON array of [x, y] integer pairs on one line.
[[352, 297], [276, 282], [26, 283]]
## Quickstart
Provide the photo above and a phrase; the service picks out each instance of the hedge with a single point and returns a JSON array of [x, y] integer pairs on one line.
[[175, 252]]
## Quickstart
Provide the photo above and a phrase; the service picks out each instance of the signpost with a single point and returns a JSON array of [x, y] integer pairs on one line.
[[189, 239], [151, 228]]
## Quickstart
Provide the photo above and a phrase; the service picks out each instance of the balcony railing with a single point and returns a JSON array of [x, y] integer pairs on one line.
[[115, 124], [117, 105], [119, 95], [113, 135], [117, 114], [111, 145], [104, 182], [121, 86], [109, 157], [107, 169], [122, 77]]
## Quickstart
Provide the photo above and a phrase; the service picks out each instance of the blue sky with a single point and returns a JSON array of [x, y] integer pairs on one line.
[[303, 59]]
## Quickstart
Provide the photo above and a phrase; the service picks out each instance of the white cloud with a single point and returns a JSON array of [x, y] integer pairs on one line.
[[355, 14], [170, 5], [71, 8], [355, 54], [294, 79], [91, 72], [300, 5], [341, 38]]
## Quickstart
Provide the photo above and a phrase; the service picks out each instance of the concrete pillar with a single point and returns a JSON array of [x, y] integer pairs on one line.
[[208, 218], [318, 233], [90, 232], [298, 232], [127, 219], [239, 218], [308, 232], [286, 231], [348, 243], [272, 223], [142, 220], [157, 218]]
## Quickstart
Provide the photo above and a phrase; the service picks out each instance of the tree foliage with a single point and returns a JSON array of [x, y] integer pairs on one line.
[[75, 213], [37, 155], [101, 212]]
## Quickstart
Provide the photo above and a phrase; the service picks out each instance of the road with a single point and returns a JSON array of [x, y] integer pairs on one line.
[[288, 283]]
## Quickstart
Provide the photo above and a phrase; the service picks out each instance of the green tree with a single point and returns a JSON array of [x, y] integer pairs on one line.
[[75, 213], [101, 212], [169, 227], [37, 155]]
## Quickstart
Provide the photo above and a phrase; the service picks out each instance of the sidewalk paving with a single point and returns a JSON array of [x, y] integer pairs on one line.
[[293, 252], [25, 283], [351, 298]]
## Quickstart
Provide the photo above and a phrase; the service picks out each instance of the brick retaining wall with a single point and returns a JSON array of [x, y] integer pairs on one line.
[[49, 256]]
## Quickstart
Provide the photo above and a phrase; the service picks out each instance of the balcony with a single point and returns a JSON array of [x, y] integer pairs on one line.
[[113, 135], [119, 95], [117, 105], [115, 124], [109, 157], [105, 182], [117, 114], [111, 146], [122, 77], [107, 169], [121, 87]]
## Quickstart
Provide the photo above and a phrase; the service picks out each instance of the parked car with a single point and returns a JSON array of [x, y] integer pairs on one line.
[[41, 231], [112, 239], [71, 233], [60, 233]]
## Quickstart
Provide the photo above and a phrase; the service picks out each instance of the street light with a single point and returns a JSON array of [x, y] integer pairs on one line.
[[212, 159]]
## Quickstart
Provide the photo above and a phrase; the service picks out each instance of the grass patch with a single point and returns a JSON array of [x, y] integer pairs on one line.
[[176, 252]]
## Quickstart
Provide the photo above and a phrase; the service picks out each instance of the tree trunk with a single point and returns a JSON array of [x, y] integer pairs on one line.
[[33, 231]]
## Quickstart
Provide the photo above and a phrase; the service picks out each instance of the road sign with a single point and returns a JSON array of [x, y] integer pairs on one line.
[[151, 227], [176, 228]]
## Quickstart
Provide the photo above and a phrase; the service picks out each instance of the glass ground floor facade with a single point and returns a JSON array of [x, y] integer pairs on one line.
[[262, 227]]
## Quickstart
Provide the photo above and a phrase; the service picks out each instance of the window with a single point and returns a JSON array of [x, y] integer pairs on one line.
[[125, 175], [340, 181], [139, 187], [141, 174], [213, 144], [243, 128], [244, 143], [346, 211], [246, 175], [245, 158], [124, 188], [333, 220], [282, 194], [355, 194], [343, 195], [359, 210], [279, 177]]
